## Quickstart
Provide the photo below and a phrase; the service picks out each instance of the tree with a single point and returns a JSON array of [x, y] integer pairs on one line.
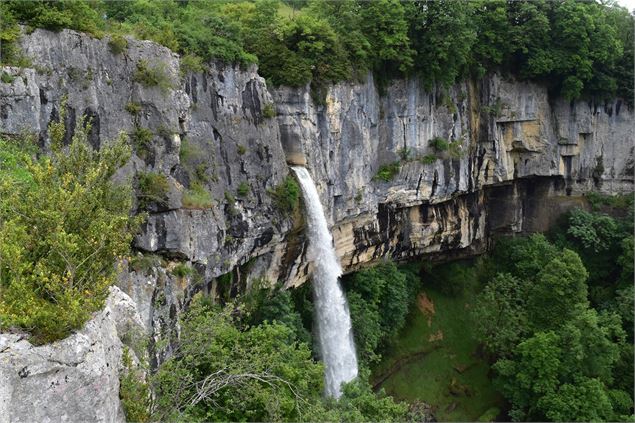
[[385, 26], [378, 299], [221, 373], [564, 375], [224, 372], [523, 257], [559, 292], [441, 58], [500, 315]]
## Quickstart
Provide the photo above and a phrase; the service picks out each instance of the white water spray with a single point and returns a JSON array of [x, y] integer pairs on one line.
[[334, 322]]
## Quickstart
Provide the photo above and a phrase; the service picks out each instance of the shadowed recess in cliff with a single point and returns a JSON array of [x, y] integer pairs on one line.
[[335, 333]]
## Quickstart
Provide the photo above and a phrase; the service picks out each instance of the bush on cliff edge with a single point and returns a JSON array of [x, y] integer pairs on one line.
[[63, 226]]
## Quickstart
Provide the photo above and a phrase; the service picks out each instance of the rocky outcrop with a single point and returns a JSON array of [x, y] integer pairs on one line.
[[75, 379]]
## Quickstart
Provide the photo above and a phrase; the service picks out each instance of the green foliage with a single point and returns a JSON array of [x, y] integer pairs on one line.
[[141, 140], [153, 76], [439, 144], [134, 109], [10, 53], [455, 149], [144, 263], [269, 111], [197, 197], [440, 58], [559, 292], [428, 159], [499, 314], [63, 226], [385, 26], [593, 231], [523, 257], [7, 78], [243, 189], [133, 391], [563, 375], [191, 63], [275, 306], [245, 363], [618, 201], [183, 270], [81, 15], [241, 149], [259, 374], [405, 154], [578, 48], [286, 195], [379, 299], [558, 358], [387, 172], [117, 44], [461, 274], [153, 189]]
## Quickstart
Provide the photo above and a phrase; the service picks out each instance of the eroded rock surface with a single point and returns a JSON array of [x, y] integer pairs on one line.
[[75, 379]]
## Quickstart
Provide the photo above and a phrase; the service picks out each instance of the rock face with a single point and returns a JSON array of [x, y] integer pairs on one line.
[[499, 133], [507, 157], [75, 379]]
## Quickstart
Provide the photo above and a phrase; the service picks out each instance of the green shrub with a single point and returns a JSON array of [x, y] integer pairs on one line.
[[241, 149], [117, 44], [141, 140], [387, 172], [165, 133], [191, 63], [428, 159], [182, 270], [286, 195], [269, 111], [197, 197], [229, 197], [153, 76], [618, 201], [133, 108], [243, 189], [7, 78], [144, 263], [379, 299], [64, 227], [153, 188], [133, 391], [439, 144]]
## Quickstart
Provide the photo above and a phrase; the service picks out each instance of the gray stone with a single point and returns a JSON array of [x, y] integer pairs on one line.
[[75, 379]]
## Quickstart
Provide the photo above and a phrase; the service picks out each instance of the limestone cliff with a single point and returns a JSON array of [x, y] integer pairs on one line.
[[516, 158]]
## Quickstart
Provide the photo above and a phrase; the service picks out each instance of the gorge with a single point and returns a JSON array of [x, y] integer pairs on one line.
[[514, 158]]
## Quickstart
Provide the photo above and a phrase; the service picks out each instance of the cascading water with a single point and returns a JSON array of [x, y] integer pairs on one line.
[[334, 323]]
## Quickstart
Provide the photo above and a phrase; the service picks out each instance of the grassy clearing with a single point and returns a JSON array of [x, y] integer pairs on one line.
[[435, 360]]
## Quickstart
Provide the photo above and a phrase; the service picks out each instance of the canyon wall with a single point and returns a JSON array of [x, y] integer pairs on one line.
[[515, 158]]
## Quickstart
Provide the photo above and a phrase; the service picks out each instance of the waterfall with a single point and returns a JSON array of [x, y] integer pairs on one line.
[[335, 333]]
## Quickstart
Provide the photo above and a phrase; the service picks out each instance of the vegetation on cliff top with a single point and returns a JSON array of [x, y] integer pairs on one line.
[[577, 47]]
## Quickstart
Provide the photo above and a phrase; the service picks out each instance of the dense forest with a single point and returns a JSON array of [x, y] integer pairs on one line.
[[579, 48]]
